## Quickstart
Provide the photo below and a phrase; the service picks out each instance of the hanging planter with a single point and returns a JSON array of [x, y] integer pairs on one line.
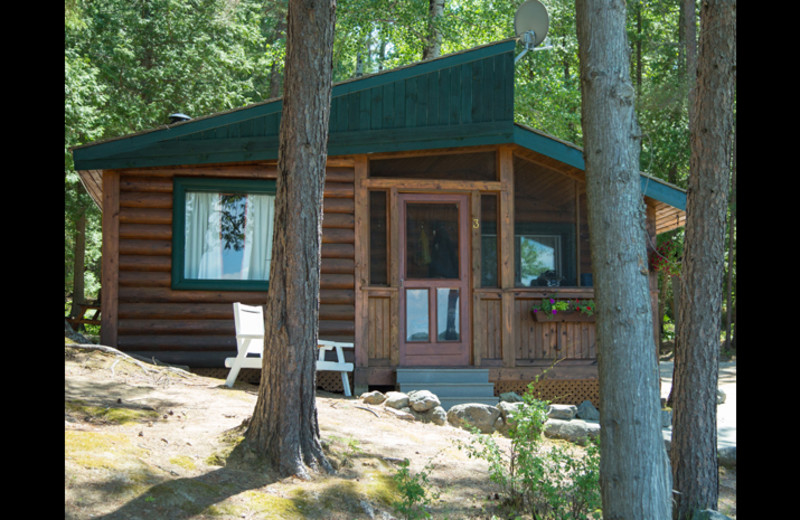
[[553, 309]]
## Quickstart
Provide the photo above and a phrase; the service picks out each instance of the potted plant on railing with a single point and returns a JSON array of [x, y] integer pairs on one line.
[[553, 309]]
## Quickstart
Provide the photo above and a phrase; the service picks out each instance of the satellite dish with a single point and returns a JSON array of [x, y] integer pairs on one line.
[[531, 23], [531, 16]]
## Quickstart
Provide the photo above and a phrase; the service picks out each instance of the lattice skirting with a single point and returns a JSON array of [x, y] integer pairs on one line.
[[328, 381], [557, 391]]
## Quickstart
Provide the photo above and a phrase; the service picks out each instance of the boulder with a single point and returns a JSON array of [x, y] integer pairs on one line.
[[438, 416], [422, 400], [474, 415], [576, 430], [510, 397], [507, 409], [586, 410], [396, 400], [565, 412], [374, 397]]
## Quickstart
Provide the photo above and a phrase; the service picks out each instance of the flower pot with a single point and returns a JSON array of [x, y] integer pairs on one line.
[[562, 316]]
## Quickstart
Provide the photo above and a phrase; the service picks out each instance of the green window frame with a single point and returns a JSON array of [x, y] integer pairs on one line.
[[183, 187]]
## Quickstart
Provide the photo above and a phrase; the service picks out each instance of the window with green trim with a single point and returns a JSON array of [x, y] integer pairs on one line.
[[222, 233]]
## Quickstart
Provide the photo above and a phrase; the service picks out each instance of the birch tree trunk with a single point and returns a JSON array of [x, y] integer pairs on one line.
[[284, 430], [694, 432], [433, 44], [634, 468]]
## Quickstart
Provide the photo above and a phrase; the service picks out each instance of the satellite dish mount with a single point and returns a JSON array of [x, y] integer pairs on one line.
[[531, 23]]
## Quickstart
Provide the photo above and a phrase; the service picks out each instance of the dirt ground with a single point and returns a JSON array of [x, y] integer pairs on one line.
[[143, 441]]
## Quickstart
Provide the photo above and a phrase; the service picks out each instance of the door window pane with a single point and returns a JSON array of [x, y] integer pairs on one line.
[[417, 315], [447, 315], [432, 241]]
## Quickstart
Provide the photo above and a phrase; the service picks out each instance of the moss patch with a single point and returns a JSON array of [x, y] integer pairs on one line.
[[109, 414]]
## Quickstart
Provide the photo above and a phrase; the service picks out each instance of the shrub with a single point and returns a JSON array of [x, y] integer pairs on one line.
[[546, 483]]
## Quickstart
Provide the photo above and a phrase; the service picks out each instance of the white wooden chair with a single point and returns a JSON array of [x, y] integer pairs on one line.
[[249, 323], [337, 366]]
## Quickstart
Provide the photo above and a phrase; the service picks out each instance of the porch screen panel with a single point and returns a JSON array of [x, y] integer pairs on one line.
[[378, 265], [545, 227], [489, 264]]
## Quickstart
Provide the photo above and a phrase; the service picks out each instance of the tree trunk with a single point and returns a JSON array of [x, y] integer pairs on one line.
[[78, 267], [634, 468], [433, 43], [284, 428], [694, 437]]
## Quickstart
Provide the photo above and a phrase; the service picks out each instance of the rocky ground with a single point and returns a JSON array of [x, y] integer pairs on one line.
[[143, 441]]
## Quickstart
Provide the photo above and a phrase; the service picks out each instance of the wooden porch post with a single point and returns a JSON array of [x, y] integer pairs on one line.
[[506, 257], [361, 275]]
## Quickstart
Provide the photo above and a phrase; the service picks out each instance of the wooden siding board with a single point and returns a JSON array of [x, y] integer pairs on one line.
[[154, 316]]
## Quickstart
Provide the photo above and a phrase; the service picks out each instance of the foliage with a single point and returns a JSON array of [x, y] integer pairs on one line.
[[547, 483], [666, 257], [130, 63], [414, 490], [551, 305]]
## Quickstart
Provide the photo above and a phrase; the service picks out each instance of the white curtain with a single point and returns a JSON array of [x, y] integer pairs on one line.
[[204, 245], [259, 215], [203, 257]]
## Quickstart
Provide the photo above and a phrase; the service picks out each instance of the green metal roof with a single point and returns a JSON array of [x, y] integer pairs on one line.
[[462, 99]]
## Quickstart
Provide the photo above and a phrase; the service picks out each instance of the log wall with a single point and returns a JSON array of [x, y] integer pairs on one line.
[[194, 327]]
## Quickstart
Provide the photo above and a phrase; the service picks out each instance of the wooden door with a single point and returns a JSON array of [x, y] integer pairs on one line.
[[434, 280]]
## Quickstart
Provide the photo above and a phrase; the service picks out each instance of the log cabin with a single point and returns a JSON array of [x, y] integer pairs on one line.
[[444, 223]]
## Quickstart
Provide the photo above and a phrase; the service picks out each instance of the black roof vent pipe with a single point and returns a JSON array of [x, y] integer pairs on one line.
[[178, 118]]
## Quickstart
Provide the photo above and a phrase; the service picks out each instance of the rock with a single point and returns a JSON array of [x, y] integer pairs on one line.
[[373, 397], [721, 396], [505, 421], [396, 400], [562, 411], [473, 415], [510, 397], [577, 430], [404, 414], [422, 400], [586, 410], [438, 416]]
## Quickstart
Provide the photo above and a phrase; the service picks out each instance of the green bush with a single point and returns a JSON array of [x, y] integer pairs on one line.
[[545, 483], [414, 491]]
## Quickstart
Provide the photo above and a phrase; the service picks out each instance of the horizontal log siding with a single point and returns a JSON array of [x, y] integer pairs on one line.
[[196, 327]]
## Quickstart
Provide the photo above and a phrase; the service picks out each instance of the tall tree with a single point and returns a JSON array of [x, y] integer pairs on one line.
[[634, 469], [284, 430], [694, 438], [432, 47]]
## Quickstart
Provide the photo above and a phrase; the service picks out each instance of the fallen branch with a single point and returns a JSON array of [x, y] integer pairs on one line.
[[373, 412], [132, 359]]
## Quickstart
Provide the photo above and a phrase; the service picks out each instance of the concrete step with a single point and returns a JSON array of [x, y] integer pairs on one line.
[[449, 402], [442, 375], [452, 389], [451, 385]]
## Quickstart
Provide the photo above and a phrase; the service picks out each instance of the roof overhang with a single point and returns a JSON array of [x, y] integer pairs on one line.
[[459, 100]]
